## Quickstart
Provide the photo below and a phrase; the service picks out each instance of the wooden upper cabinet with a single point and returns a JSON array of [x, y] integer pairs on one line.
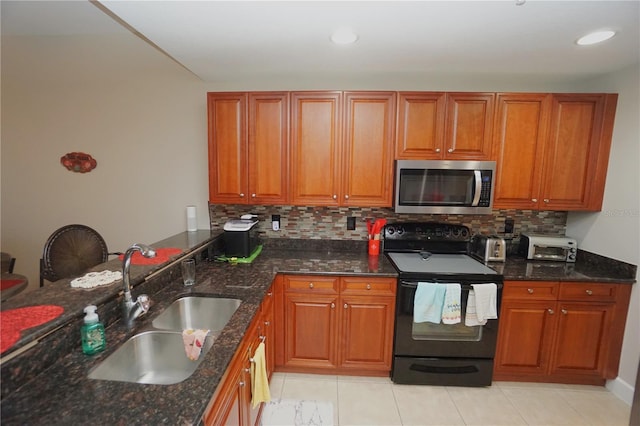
[[368, 149], [268, 148], [520, 131], [315, 147], [342, 148], [436, 125], [248, 147], [552, 151], [577, 152], [420, 133], [228, 176], [468, 126]]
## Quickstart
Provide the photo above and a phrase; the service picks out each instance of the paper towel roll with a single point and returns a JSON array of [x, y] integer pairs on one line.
[[192, 220]]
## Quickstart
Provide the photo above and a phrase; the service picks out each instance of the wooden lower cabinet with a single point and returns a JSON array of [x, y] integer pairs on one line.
[[561, 332], [231, 403], [337, 324]]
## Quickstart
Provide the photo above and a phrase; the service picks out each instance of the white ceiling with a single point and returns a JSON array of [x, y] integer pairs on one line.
[[222, 40]]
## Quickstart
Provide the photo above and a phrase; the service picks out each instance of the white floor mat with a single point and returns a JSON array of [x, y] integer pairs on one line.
[[295, 412]]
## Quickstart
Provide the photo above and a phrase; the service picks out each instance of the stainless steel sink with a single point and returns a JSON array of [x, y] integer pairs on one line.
[[211, 313], [152, 357]]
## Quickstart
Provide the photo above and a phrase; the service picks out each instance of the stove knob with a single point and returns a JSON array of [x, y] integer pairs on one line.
[[456, 232], [400, 230], [465, 233], [390, 230]]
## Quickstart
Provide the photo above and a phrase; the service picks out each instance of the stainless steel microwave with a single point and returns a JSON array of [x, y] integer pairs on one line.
[[444, 186]]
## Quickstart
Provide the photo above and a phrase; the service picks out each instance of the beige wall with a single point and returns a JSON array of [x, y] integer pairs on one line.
[[143, 117]]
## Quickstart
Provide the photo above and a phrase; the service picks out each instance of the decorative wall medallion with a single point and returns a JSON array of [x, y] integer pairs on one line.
[[78, 162]]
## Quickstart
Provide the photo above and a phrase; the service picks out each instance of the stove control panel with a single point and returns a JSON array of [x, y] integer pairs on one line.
[[426, 231]]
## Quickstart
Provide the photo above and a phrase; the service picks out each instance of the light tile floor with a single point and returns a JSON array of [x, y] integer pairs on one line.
[[377, 401]]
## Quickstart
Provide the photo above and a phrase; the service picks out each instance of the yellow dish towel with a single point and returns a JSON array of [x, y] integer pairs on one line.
[[259, 380]]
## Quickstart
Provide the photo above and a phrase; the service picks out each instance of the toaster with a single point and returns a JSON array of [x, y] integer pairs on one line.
[[545, 247], [488, 248]]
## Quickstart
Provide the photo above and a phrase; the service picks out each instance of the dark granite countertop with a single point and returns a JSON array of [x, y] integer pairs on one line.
[[64, 395]]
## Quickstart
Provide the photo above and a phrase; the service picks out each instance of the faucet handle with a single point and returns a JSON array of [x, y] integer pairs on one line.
[[144, 302]]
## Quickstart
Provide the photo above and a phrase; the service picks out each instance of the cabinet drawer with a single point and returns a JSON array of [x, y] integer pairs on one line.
[[597, 292], [531, 290], [369, 286], [310, 283]]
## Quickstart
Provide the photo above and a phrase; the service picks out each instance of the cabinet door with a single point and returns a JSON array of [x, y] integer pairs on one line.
[[268, 147], [366, 337], [368, 148], [582, 338], [228, 176], [525, 338], [420, 125], [468, 124], [520, 132], [315, 148], [577, 152], [310, 330]]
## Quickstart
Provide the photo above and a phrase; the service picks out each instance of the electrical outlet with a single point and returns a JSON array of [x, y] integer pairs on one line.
[[351, 223], [508, 226], [275, 222]]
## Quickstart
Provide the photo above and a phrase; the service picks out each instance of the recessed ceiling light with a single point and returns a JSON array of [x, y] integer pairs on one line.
[[344, 36], [595, 37]]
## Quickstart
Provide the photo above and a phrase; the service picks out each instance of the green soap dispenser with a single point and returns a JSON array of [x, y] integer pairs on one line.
[[92, 332]]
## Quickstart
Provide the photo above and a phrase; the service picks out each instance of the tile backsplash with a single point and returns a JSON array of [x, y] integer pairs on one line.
[[330, 223]]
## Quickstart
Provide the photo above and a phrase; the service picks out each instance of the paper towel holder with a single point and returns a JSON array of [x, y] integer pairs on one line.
[[192, 221]]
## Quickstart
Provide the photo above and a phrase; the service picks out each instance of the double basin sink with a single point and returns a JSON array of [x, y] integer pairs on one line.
[[158, 356]]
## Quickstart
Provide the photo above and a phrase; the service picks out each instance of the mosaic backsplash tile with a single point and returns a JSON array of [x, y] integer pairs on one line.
[[298, 222]]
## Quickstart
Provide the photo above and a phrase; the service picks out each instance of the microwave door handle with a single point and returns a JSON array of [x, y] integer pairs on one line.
[[476, 193]]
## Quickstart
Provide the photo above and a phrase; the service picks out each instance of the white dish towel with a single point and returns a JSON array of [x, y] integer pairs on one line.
[[481, 304], [451, 308]]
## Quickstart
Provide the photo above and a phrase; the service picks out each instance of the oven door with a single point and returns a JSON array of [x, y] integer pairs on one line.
[[427, 339]]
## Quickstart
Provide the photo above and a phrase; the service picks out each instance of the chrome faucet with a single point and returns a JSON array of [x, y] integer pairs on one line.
[[131, 309]]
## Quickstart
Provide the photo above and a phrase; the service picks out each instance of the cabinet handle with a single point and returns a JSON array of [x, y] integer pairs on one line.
[[263, 338], [346, 306], [335, 197], [310, 285], [589, 292], [270, 294], [241, 384], [546, 200], [551, 312], [368, 286], [253, 195], [346, 197], [437, 149], [247, 370], [564, 311], [450, 150], [535, 200], [267, 323], [530, 290], [333, 305], [242, 194]]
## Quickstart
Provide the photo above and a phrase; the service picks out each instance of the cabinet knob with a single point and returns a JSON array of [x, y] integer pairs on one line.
[[535, 200], [346, 306], [267, 323], [450, 150], [335, 197], [546, 200], [346, 197], [437, 149], [589, 292], [564, 311], [253, 195], [241, 384], [368, 286], [242, 194], [247, 370], [310, 285], [530, 290], [551, 312], [270, 294], [333, 305]]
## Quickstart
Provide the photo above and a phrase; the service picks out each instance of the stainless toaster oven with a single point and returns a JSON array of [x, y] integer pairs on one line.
[[542, 247]]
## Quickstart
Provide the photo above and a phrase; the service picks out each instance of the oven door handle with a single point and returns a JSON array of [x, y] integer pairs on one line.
[[414, 284]]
